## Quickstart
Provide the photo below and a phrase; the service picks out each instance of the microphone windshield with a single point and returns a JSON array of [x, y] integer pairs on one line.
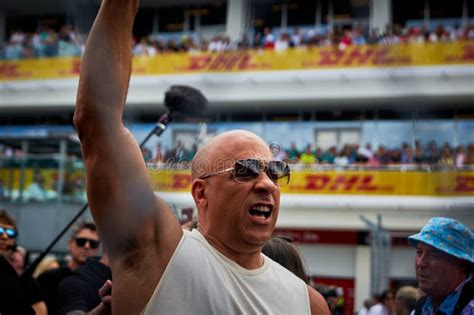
[[182, 98]]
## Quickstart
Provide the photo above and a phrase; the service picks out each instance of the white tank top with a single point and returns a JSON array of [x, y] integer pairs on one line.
[[200, 280]]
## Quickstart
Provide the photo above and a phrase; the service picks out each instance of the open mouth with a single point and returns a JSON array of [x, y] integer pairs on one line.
[[423, 277], [261, 211]]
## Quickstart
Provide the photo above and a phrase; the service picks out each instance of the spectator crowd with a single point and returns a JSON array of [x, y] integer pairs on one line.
[[47, 42], [44, 43], [349, 154]]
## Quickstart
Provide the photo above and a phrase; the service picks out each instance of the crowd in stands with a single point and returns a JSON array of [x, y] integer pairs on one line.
[[342, 37], [349, 154], [46, 42], [43, 43]]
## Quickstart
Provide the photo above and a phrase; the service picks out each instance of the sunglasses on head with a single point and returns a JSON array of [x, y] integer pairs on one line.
[[11, 232], [81, 242], [250, 169]]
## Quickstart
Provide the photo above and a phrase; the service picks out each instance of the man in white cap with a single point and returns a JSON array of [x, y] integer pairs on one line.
[[444, 264]]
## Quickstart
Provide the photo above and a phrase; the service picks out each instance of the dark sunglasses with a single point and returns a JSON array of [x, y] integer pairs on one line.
[[250, 169], [11, 232], [81, 242]]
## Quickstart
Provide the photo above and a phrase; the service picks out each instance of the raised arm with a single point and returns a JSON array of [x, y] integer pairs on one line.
[[138, 228]]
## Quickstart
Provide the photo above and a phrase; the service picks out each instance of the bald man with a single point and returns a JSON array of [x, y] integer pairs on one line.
[[157, 267]]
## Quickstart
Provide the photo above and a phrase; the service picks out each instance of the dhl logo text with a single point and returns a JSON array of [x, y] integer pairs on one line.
[[361, 183]]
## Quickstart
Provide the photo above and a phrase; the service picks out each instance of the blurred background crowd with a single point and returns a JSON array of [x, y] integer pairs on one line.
[[67, 41]]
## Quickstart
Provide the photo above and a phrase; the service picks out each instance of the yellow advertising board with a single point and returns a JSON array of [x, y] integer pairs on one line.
[[410, 183], [12, 177], [252, 60]]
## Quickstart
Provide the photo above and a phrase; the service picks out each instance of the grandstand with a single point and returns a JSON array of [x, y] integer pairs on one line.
[[324, 73]]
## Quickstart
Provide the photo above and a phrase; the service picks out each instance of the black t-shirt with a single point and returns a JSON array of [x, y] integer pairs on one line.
[[49, 282], [33, 293], [79, 291], [12, 294]]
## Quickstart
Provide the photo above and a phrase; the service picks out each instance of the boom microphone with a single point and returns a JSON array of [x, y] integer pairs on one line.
[[186, 99]]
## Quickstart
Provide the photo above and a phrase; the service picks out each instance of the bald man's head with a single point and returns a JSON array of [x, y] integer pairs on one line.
[[221, 151], [226, 205]]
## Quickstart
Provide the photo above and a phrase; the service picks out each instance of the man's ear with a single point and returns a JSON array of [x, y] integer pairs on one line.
[[198, 191]]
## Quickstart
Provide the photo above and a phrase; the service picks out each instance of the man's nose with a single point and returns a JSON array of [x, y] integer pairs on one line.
[[264, 183], [421, 260]]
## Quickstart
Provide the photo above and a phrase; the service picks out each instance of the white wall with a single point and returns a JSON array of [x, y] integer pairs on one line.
[[403, 262], [329, 260]]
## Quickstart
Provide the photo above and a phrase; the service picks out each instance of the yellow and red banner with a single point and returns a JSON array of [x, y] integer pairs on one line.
[[366, 182], [10, 178], [399, 183], [371, 56]]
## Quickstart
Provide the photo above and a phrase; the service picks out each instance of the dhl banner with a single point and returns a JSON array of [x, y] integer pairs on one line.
[[252, 60], [12, 177], [349, 183], [398, 183]]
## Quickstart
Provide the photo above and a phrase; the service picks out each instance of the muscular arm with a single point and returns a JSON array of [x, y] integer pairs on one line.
[[137, 227], [318, 304]]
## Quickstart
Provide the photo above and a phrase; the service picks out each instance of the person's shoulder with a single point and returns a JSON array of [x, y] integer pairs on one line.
[[91, 271], [89, 266], [54, 274], [284, 274], [9, 279], [73, 280], [195, 238], [377, 309], [469, 308], [62, 270], [466, 300], [6, 268], [12, 294], [317, 303]]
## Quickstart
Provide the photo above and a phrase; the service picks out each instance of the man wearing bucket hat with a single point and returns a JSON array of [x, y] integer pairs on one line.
[[444, 263]]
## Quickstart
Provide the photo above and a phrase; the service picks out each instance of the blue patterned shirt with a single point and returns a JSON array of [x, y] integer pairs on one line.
[[449, 303]]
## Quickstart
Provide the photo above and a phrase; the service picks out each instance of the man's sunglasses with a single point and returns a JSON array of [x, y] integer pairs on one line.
[[11, 232], [250, 169], [81, 242]]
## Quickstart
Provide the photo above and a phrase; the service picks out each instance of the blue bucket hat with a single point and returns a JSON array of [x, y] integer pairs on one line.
[[449, 236]]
